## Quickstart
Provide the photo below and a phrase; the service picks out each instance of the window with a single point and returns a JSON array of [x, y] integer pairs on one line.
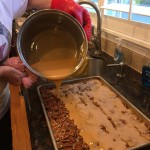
[[128, 19], [134, 10]]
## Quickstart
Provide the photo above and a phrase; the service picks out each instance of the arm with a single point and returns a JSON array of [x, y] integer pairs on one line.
[[39, 4]]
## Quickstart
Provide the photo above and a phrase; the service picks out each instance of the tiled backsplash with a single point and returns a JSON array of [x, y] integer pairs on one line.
[[132, 58]]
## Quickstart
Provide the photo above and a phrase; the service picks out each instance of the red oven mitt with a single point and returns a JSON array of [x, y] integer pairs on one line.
[[77, 11]]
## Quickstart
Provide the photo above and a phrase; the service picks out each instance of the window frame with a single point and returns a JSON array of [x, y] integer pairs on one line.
[[134, 32]]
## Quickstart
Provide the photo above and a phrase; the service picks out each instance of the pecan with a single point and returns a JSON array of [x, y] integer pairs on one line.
[[109, 118], [78, 145], [63, 119], [81, 88], [57, 137], [68, 148], [96, 104], [64, 136], [55, 115], [83, 101], [123, 121], [72, 139], [104, 128], [68, 144], [91, 97], [59, 144], [88, 88], [80, 138], [72, 132], [85, 146]]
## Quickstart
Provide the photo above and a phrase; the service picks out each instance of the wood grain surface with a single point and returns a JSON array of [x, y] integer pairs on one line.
[[19, 122]]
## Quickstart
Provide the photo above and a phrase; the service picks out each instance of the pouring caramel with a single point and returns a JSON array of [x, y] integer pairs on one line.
[[57, 54]]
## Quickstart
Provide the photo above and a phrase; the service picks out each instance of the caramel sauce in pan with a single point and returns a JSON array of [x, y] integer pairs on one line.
[[56, 52]]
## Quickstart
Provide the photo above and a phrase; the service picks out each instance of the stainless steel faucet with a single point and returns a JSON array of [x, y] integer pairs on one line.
[[96, 40], [121, 64]]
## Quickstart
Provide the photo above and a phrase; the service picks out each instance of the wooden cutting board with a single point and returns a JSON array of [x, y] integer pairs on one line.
[[19, 121]]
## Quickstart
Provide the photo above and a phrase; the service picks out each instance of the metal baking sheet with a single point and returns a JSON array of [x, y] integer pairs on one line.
[[123, 99]]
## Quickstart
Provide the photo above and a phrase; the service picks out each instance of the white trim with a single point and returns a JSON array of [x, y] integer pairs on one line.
[[137, 45], [116, 7], [141, 10]]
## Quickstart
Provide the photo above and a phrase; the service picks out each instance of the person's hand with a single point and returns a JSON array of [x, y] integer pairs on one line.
[[12, 75], [77, 11], [29, 78], [16, 63]]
